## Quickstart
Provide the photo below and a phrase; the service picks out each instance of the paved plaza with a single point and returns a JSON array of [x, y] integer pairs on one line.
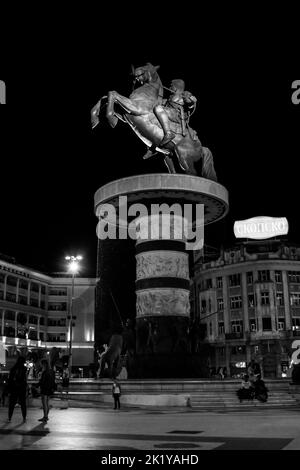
[[151, 429]]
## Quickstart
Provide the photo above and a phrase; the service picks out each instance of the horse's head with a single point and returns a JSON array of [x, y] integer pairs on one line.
[[145, 74]]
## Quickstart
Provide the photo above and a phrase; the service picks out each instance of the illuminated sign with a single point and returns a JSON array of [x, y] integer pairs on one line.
[[240, 365], [261, 228]]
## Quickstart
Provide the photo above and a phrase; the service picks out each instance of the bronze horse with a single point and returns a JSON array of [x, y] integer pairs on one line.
[[137, 112]]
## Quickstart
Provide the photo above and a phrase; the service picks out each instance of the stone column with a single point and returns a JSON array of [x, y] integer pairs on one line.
[[3, 318], [17, 290], [162, 288], [38, 328], [286, 297], [16, 324], [5, 287]]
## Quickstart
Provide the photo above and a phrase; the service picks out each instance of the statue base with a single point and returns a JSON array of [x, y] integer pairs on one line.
[[168, 366]]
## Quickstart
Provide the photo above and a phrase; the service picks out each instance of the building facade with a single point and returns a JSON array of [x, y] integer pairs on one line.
[[35, 313], [249, 300]]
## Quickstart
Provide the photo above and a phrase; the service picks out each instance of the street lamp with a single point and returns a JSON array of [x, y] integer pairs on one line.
[[73, 268]]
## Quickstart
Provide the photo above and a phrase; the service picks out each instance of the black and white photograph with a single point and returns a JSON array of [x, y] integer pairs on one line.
[[149, 247]]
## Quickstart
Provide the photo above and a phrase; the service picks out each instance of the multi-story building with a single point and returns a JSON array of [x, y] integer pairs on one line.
[[249, 299], [35, 313]]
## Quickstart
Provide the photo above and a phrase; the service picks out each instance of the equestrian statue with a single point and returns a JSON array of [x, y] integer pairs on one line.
[[161, 123]]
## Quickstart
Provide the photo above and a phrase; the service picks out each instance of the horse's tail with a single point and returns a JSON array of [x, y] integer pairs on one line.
[[95, 111], [208, 169]]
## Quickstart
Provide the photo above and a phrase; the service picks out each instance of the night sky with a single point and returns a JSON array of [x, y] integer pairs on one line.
[[52, 162]]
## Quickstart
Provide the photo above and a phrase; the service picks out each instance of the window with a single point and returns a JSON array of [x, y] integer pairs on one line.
[[208, 283], [12, 281], [221, 328], [56, 322], [253, 324], [251, 300], [58, 306], [221, 351], [9, 315], [267, 324], [42, 321], [281, 324], [34, 287], [278, 276], [43, 289], [22, 300], [235, 280], [220, 303], [57, 337], [294, 277], [279, 298], [236, 302], [296, 324], [219, 282], [23, 284], [61, 291], [2, 278], [203, 306], [22, 318], [249, 278], [295, 299], [11, 297], [34, 302], [265, 298], [210, 328], [237, 326], [33, 320], [263, 276]]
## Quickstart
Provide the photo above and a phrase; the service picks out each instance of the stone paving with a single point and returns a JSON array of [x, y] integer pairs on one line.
[[149, 429]]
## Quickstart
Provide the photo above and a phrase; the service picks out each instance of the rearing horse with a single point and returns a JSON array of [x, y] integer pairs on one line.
[[137, 112]]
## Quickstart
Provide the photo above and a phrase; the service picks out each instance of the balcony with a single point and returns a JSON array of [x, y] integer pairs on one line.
[[229, 336]]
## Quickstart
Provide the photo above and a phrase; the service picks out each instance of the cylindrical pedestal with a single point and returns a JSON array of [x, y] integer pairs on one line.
[[162, 290], [162, 265]]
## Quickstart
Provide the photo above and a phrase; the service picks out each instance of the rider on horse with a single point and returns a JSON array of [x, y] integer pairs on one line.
[[177, 108]]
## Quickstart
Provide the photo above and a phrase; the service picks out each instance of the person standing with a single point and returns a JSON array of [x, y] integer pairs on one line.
[[47, 388], [116, 393], [17, 388]]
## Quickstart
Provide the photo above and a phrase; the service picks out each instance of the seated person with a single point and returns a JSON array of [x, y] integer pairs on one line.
[[261, 391], [246, 392]]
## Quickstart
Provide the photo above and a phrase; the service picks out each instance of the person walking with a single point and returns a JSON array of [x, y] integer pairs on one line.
[[17, 388], [47, 388], [116, 393]]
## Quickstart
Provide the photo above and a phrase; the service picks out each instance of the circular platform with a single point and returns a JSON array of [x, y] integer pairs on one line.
[[172, 188]]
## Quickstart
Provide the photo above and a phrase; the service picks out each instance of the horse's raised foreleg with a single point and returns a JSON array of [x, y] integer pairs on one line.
[[128, 105]]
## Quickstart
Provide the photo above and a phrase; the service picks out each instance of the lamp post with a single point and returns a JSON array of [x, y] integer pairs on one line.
[[73, 268]]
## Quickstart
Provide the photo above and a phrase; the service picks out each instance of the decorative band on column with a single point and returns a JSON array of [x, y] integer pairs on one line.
[[162, 264], [163, 302], [171, 282]]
